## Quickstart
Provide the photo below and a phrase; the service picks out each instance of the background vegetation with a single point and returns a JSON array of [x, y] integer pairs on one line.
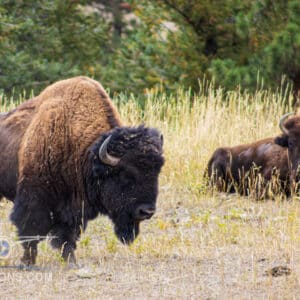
[[131, 46]]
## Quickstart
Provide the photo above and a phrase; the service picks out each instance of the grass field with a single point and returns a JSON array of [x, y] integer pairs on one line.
[[200, 244]]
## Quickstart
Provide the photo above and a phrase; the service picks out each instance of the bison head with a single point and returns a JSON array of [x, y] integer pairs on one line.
[[126, 164], [291, 139]]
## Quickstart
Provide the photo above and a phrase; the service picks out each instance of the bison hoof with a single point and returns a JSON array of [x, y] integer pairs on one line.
[[28, 267], [72, 266], [26, 261]]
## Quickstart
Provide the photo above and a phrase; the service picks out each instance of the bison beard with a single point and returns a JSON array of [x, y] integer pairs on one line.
[[126, 229], [74, 160]]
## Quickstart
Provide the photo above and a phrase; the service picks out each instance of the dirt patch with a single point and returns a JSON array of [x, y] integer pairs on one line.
[[215, 249]]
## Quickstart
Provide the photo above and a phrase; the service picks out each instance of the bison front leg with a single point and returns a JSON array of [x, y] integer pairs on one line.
[[33, 222], [64, 239], [30, 253]]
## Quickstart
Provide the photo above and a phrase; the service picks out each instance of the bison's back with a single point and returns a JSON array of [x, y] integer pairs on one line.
[[264, 156]]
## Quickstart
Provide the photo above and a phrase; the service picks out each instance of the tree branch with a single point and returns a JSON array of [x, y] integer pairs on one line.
[[184, 15]]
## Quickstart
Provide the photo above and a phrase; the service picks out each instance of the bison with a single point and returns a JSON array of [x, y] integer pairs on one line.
[[66, 158], [257, 167]]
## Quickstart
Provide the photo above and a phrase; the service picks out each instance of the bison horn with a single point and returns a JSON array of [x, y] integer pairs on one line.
[[281, 125], [105, 157]]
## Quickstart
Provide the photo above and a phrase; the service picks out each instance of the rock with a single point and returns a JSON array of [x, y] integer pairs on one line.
[[279, 271]]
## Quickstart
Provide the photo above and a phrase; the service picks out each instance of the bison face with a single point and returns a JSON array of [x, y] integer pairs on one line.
[[290, 142], [129, 195], [130, 160], [291, 139]]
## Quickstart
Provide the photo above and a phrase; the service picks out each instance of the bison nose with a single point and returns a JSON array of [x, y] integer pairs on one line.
[[144, 211]]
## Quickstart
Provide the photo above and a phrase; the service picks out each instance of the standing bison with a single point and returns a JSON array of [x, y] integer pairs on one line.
[[255, 167], [65, 158]]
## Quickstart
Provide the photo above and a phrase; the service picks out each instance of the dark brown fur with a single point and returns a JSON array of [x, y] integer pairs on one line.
[[12, 128], [249, 167]]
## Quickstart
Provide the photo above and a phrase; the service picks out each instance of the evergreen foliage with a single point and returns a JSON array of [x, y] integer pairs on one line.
[[139, 44]]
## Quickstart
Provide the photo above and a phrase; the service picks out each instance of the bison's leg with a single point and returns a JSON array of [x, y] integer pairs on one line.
[[64, 239], [33, 222], [30, 253]]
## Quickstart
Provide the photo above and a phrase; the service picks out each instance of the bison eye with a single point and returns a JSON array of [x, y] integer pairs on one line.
[[291, 143]]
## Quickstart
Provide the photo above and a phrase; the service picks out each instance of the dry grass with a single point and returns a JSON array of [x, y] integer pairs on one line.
[[200, 244]]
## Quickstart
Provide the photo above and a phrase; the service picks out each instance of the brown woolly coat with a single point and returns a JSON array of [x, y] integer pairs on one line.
[[240, 163], [54, 131]]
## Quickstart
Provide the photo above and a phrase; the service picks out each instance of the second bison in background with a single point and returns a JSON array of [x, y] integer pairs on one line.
[[257, 168], [65, 158]]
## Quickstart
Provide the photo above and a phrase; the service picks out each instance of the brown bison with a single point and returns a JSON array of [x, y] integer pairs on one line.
[[65, 158], [250, 168]]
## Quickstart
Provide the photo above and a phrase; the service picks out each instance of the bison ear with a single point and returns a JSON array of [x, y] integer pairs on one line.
[[162, 139], [282, 140]]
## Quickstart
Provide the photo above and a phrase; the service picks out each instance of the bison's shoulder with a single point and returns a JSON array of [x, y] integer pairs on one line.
[[72, 115]]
